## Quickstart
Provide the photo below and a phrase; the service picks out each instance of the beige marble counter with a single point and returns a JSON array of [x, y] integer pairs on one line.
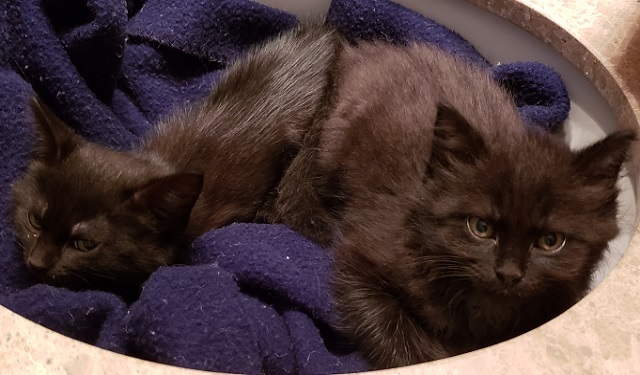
[[599, 335]]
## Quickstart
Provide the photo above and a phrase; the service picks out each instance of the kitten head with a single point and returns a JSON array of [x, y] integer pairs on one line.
[[516, 218], [87, 216]]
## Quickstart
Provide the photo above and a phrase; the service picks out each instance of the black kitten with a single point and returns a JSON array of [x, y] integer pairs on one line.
[[455, 226], [87, 216]]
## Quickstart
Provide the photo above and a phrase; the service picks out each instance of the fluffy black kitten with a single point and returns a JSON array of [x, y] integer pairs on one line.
[[88, 216], [455, 225]]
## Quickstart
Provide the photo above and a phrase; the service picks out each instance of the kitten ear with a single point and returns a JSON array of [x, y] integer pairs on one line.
[[169, 199], [603, 159], [454, 139], [53, 138]]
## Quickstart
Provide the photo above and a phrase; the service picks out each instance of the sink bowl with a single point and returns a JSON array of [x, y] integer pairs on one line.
[[602, 332]]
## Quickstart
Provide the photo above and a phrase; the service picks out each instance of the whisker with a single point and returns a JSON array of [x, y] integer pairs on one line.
[[79, 276]]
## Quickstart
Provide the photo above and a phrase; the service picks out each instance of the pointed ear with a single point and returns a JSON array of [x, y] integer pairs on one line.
[[169, 199], [454, 140], [603, 159], [54, 140]]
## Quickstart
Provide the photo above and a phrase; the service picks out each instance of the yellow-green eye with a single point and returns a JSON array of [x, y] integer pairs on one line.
[[551, 242], [85, 245], [34, 221], [480, 227]]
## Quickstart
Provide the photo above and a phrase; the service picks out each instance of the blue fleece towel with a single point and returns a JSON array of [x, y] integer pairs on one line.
[[254, 298]]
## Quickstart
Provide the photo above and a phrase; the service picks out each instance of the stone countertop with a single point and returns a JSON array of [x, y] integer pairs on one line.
[[601, 334]]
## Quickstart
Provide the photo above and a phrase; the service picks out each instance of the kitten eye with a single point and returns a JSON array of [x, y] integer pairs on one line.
[[551, 242], [84, 245], [479, 227], [34, 221]]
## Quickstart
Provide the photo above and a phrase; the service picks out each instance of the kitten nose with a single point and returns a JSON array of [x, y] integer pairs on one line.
[[37, 264], [509, 274]]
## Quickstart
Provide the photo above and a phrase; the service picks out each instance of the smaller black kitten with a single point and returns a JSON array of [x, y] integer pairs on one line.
[[88, 216]]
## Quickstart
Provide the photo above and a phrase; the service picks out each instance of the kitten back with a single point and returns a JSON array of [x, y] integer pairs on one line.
[[246, 132]]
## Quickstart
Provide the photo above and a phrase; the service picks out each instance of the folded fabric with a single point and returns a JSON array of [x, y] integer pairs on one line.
[[253, 298]]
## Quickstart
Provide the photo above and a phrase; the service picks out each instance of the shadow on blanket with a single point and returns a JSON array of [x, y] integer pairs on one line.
[[255, 298]]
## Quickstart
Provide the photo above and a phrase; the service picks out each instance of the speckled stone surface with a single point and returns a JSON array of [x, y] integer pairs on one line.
[[600, 335]]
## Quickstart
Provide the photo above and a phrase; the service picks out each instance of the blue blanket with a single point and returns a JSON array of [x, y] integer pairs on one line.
[[254, 298]]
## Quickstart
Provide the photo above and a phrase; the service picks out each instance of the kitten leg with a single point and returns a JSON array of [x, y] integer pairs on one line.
[[374, 315]]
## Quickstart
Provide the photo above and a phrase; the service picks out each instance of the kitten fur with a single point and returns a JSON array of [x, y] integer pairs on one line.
[[438, 200], [88, 216]]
